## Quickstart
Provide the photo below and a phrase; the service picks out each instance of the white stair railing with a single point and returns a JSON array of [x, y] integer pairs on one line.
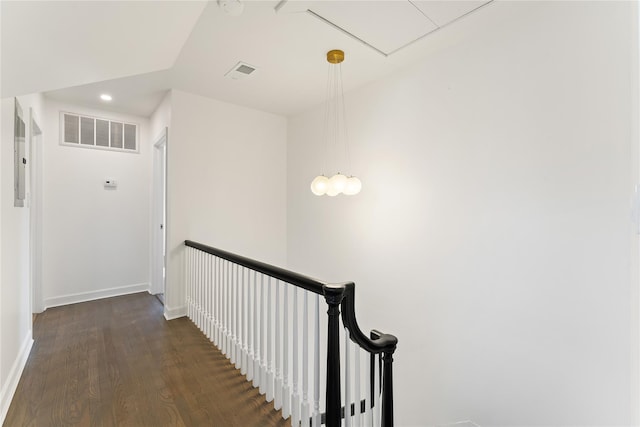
[[244, 308]]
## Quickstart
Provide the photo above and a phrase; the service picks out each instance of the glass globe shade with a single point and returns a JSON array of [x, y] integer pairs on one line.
[[353, 187], [337, 183], [332, 192], [320, 185]]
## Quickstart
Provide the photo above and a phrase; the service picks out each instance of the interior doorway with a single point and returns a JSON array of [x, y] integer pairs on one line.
[[159, 215], [34, 203]]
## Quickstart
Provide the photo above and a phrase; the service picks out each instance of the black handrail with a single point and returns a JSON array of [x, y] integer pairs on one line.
[[338, 296], [379, 343], [385, 343], [299, 280]]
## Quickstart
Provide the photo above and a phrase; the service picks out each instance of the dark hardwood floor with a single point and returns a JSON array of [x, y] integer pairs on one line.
[[118, 362]]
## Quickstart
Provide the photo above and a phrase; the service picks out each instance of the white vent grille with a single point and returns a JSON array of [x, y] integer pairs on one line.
[[245, 69], [92, 132], [87, 131], [71, 128], [116, 135], [102, 133], [129, 137], [240, 71]]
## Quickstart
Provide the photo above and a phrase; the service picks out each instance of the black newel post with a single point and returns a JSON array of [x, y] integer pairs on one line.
[[387, 390], [333, 295]]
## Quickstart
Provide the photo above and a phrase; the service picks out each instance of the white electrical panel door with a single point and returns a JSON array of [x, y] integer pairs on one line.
[[20, 157]]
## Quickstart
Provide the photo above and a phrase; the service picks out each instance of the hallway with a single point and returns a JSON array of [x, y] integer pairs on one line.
[[118, 362]]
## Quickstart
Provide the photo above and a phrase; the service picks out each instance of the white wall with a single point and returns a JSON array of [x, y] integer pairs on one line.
[[492, 234], [226, 173], [95, 241], [161, 118], [15, 306]]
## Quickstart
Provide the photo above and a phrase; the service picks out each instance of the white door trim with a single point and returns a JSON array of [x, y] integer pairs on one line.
[[158, 220], [35, 214]]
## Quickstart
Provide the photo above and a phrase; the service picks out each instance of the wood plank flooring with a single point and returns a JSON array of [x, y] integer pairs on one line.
[[118, 362]]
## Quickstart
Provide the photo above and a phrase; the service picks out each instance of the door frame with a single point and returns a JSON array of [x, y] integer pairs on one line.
[[159, 216], [34, 200]]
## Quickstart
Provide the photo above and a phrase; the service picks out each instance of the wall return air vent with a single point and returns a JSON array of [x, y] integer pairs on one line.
[[93, 132], [240, 71]]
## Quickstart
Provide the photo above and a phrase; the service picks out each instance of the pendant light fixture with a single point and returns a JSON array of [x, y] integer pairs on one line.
[[335, 134]]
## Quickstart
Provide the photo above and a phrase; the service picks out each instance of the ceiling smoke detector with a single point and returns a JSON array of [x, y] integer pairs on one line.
[[231, 7], [240, 71]]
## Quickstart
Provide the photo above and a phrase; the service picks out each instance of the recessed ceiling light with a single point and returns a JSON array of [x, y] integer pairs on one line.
[[106, 97]]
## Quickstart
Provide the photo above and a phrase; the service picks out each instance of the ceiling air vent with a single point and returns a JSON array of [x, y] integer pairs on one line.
[[240, 71]]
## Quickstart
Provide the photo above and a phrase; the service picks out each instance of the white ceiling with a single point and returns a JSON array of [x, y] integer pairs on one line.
[[136, 51]]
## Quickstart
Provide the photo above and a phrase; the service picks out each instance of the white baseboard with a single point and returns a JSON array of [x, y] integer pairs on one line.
[[10, 386], [94, 295], [171, 313]]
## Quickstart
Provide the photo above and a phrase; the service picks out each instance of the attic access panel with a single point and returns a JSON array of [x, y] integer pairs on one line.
[[384, 25], [445, 12]]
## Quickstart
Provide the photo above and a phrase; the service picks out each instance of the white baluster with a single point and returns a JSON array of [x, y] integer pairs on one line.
[[203, 288], [238, 340], [210, 287], [368, 411], [219, 294], [206, 293], [238, 312], [316, 364], [347, 379], [194, 277], [376, 394], [263, 348], [199, 291], [358, 397], [250, 330], [203, 309], [203, 294], [223, 311], [192, 274], [232, 315], [205, 313], [221, 320], [256, 333], [219, 303], [243, 314], [277, 402], [215, 301], [230, 311], [196, 280], [227, 310], [295, 398], [306, 407], [187, 261], [245, 323], [286, 388], [269, 345]]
